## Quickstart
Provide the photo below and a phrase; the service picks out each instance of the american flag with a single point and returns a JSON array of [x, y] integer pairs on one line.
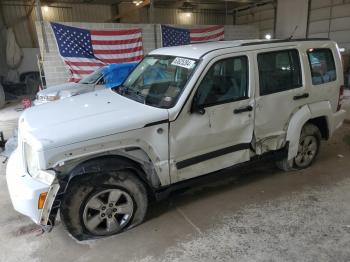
[[84, 51], [173, 36]]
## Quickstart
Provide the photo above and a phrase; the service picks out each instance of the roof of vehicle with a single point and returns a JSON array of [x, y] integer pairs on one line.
[[196, 51]]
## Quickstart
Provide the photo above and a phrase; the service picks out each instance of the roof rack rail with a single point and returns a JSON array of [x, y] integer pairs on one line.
[[285, 41]]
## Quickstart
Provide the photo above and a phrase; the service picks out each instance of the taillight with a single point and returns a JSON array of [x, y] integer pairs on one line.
[[341, 96]]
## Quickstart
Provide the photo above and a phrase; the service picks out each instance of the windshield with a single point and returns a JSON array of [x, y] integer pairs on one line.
[[93, 77], [158, 80]]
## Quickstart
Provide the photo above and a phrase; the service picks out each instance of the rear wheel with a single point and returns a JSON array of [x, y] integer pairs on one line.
[[104, 204], [309, 145]]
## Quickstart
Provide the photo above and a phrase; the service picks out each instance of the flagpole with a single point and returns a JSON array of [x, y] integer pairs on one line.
[[161, 35], [155, 36]]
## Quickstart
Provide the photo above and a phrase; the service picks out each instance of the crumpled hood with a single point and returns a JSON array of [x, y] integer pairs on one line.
[[85, 117], [66, 88]]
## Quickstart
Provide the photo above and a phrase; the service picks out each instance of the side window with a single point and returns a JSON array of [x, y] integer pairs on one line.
[[322, 66], [279, 71], [226, 81]]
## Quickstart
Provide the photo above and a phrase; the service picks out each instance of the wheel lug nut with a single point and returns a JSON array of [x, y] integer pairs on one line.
[[114, 210], [110, 205], [103, 208], [102, 215], [110, 216]]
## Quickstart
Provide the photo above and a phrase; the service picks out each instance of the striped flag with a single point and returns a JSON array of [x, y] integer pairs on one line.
[[84, 51], [173, 36]]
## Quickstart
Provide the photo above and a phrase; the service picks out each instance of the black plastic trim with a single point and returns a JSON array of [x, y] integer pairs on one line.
[[277, 155], [297, 97], [285, 41], [268, 42], [157, 123], [210, 155]]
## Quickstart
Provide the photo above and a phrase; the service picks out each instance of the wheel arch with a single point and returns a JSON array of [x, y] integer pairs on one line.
[[109, 163], [317, 114], [322, 124], [296, 123]]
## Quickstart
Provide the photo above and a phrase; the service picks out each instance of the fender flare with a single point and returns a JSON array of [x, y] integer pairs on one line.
[[295, 126], [110, 163]]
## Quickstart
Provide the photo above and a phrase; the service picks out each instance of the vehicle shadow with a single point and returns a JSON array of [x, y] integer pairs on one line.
[[212, 184]]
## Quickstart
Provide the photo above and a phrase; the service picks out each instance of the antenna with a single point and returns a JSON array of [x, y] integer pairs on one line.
[[292, 34]]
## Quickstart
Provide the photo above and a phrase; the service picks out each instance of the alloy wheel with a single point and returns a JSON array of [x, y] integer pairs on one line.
[[108, 212], [307, 151]]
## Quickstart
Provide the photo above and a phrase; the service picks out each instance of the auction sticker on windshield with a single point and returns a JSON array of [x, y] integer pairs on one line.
[[183, 62]]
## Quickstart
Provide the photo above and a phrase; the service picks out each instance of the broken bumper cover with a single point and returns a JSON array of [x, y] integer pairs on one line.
[[25, 191]]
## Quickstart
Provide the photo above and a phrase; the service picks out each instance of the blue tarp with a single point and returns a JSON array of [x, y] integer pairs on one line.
[[115, 74], [155, 73]]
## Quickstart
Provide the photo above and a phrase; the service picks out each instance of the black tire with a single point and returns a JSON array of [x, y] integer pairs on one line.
[[85, 187], [309, 130]]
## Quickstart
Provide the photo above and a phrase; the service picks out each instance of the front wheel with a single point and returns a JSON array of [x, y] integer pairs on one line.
[[309, 145], [104, 204]]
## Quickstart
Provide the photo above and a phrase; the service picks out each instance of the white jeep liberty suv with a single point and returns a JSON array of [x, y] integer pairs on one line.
[[183, 112]]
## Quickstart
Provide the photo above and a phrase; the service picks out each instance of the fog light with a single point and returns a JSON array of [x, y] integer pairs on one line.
[[41, 200]]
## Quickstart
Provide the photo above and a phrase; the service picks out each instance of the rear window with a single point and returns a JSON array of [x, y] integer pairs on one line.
[[322, 66]]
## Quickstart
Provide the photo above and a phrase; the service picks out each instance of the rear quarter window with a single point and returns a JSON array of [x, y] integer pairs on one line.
[[322, 66]]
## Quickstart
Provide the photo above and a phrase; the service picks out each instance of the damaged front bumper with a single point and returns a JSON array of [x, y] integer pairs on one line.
[[25, 193]]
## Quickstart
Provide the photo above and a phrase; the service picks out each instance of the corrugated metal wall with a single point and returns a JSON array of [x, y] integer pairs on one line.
[[331, 18], [79, 13], [14, 15], [175, 16], [263, 17]]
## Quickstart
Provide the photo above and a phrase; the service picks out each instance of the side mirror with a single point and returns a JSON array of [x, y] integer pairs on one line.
[[196, 108]]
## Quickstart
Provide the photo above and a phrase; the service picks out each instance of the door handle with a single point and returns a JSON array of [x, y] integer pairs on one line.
[[305, 95], [242, 109]]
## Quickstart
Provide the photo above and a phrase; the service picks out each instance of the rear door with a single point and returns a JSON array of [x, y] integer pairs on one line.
[[281, 92]]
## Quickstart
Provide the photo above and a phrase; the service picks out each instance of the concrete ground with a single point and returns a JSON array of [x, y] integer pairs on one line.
[[257, 213]]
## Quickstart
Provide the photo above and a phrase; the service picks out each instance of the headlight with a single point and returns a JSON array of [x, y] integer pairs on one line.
[[46, 177], [32, 164]]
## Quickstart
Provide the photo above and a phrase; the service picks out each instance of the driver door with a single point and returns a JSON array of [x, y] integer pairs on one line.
[[216, 128]]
